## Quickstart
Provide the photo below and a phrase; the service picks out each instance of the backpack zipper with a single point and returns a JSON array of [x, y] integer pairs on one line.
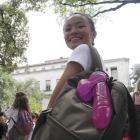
[[87, 105]]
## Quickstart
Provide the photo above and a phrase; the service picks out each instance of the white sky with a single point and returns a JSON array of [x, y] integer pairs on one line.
[[116, 38]]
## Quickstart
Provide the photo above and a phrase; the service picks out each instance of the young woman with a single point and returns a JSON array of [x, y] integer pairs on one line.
[[136, 98], [21, 102], [79, 30]]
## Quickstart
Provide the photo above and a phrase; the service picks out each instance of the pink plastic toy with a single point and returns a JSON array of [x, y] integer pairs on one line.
[[101, 111]]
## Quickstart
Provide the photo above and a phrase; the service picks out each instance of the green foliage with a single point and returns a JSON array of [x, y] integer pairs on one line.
[[14, 31], [14, 37], [31, 87], [65, 8], [95, 8], [34, 105], [135, 75], [7, 88]]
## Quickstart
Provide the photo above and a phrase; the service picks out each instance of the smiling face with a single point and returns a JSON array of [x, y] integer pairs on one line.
[[77, 30]]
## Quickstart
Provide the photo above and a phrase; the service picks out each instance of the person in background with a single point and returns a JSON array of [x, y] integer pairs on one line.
[[3, 127], [136, 98], [3, 119], [37, 115], [21, 102]]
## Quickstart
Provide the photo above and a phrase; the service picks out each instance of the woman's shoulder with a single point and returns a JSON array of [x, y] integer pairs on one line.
[[10, 111], [81, 54], [81, 49], [82, 46]]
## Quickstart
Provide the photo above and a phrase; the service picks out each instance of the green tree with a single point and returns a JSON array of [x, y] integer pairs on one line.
[[14, 37], [95, 8], [34, 105], [135, 74], [14, 31], [31, 87], [7, 89]]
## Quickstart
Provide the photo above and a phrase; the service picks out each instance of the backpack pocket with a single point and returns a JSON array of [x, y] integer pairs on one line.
[[55, 131]]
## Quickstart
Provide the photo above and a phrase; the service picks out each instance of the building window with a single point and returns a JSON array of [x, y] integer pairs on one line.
[[114, 73], [34, 69], [52, 67], [48, 85], [63, 66], [43, 68]]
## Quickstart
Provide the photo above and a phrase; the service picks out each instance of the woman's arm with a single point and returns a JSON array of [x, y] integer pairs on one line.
[[72, 68]]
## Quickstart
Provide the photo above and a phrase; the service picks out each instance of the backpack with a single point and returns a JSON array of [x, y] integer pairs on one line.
[[24, 124], [70, 117]]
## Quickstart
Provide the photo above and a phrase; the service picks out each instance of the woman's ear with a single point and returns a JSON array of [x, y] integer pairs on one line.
[[94, 34]]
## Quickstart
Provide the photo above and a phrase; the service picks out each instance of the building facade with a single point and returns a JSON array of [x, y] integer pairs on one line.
[[49, 73]]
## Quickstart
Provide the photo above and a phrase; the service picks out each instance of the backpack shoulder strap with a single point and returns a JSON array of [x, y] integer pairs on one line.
[[133, 97], [96, 59], [13, 120]]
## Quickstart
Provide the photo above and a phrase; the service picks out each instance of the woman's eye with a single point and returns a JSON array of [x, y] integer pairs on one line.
[[67, 30], [81, 26]]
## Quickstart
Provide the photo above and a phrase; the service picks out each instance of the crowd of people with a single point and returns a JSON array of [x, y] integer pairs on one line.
[[8, 118]]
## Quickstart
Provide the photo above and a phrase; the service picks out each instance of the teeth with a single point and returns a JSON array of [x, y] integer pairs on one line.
[[74, 39]]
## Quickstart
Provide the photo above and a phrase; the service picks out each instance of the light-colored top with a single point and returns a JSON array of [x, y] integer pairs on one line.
[[82, 55], [11, 112]]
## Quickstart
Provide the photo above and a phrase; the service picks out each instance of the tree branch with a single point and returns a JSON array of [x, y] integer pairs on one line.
[[111, 9], [104, 2], [123, 2]]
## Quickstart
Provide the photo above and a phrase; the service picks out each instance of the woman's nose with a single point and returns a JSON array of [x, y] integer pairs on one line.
[[74, 31]]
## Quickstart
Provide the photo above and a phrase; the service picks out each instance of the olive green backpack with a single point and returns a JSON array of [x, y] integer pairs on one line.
[[70, 118]]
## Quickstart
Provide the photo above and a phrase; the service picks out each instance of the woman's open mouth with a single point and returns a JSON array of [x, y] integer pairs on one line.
[[75, 39]]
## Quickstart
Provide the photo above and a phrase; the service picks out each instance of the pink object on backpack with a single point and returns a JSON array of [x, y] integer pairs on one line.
[[85, 86], [126, 138], [101, 112]]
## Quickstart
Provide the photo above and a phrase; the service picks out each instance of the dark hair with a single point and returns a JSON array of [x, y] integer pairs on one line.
[[85, 15], [35, 115], [21, 101]]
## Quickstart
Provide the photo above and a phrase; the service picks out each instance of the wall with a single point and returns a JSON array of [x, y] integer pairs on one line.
[[54, 69]]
